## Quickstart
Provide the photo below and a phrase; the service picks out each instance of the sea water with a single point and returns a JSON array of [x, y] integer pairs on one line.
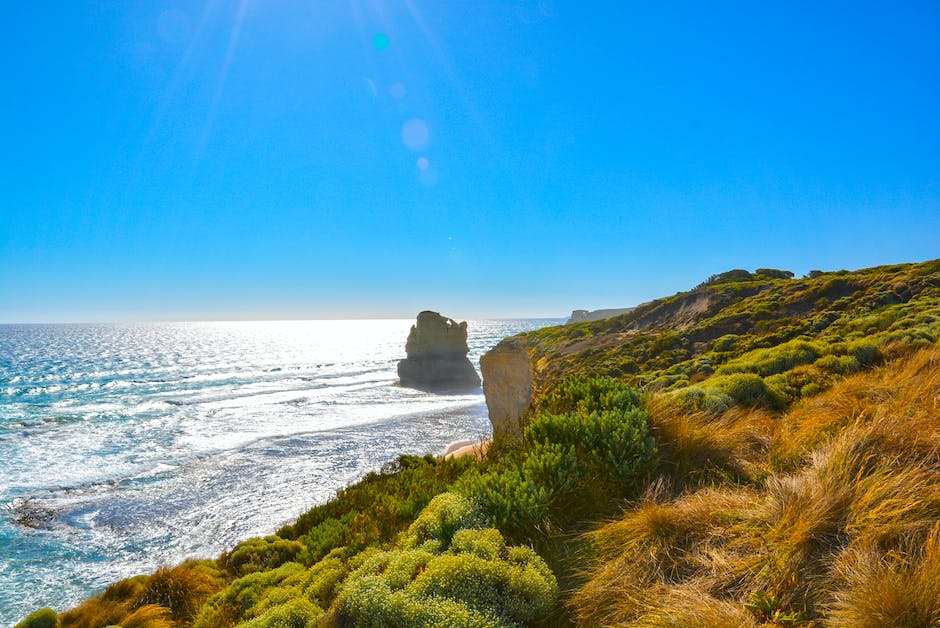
[[126, 447]]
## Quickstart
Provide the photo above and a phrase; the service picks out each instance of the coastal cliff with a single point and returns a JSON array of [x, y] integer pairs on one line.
[[674, 343], [507, 384]]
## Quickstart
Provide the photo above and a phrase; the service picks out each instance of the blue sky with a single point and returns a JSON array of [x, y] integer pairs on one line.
[[349, 158]]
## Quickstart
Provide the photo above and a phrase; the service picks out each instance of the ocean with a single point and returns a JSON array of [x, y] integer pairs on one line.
[[128, 446]]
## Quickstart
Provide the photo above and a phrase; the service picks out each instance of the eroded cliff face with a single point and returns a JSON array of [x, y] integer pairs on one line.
[[508, 385]]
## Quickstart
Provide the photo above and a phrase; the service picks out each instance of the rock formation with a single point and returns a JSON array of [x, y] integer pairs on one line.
[[437, 355], [508, 385]]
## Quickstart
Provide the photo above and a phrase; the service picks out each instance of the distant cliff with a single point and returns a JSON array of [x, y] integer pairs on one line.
[[580, 316]]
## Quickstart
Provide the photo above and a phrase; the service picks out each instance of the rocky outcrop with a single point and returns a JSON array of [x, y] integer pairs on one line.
[[579, 316], [437, 355], [508, 385]]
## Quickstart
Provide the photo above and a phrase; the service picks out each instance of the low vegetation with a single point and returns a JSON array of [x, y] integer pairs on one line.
[[835, 525], [760, 451]]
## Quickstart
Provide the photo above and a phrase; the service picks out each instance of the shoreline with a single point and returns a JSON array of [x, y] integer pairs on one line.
[[460, 448]]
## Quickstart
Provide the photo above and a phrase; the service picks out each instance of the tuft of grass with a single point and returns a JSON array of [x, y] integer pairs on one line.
[[901, 588], [692, 607], [96, 612], [182, 590], [883, 400], [149, 616], [660, 543], [701, 447]]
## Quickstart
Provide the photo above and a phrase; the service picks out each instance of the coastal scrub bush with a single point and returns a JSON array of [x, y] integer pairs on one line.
[[296, 613], [570, 466], [512, 502], [478, 581], [229, 606], [447, 513], [773, 360], [838, 364], [699, 398], [43, 618], [577, 394], [745, 388], [375, 509], [261, 554], [773, 273]]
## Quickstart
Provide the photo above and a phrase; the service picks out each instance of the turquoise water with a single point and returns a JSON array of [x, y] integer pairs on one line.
[[124, 447]]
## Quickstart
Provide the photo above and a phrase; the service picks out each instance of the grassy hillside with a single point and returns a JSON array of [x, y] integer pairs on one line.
[[759, 451], [798, 335]]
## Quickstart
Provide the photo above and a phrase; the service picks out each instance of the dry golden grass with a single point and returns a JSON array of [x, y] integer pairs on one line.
[[95, 613], [177, 593], [661, 544], [843, 533], [149, 616], [901, 403], [182, 589], [700, 446], [889, 589], [691, 607]]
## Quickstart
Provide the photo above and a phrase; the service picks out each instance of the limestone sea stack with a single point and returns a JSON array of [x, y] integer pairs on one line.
[[437, 355]]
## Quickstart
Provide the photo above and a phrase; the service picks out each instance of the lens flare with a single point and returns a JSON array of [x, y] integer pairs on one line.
[[380, 41], [415, 134], [397, 91]]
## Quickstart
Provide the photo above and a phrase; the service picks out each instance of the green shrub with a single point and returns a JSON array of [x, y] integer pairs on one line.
[[478, 581], [261, 554], [322, 539], [377, 508], [838, 364], [577, 394], [728, 342], [322, 579], [773, 360], [512, 502], [699, 398], [800, 382], [371, 603], [773, 273], [445, 514], [669, 382], [867, 355], [231, 604], [297, 613], [745, 388], [570, 466], [43, 618]]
